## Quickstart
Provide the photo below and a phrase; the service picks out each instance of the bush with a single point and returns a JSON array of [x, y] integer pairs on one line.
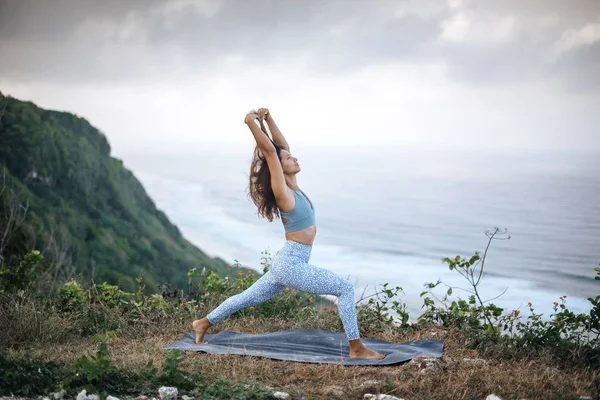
[[209, 289], [19, 278], [28, 377], [569, 337]]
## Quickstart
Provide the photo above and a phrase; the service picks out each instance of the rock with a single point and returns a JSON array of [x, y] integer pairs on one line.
[[281, 395], [58, 395], [334, 391], [369, 396], [112, 398], [167, 392], [426, 364], [84, 396], [184, 397], [493, 397], [584, 398]]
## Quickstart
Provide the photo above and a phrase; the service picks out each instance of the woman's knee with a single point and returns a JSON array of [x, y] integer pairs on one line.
[[347, 288]]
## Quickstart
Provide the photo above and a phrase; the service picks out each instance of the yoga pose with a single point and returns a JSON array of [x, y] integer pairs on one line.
[[275, 191]]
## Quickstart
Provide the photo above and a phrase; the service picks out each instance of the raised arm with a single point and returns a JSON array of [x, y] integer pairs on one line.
[[283, 195], [277, 135], [262, 140]]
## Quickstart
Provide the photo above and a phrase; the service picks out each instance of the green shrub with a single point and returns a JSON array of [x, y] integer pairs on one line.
[[27, 377], [20, 278], [570, 337], [209, 289]]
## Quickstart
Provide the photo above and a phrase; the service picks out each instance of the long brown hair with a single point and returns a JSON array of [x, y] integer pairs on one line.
[[260, 190]]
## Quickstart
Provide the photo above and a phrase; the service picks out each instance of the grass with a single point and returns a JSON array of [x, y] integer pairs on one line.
[[540, 359], [514, 377]]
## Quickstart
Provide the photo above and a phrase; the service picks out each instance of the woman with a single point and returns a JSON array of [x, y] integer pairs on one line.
[[275, 191]]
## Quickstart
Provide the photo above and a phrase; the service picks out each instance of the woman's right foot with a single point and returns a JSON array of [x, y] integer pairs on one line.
[[200, 326]]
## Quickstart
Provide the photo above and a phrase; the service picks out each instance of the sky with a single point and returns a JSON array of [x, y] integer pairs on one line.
[[178, 76]]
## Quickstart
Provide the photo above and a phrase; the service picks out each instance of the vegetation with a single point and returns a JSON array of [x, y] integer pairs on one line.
[[122, 335], [62, 193]]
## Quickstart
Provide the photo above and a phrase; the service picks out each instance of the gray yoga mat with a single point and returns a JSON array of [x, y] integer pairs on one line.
[[307, 345]]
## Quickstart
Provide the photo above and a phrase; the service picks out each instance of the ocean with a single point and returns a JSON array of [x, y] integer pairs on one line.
[[390, 216]]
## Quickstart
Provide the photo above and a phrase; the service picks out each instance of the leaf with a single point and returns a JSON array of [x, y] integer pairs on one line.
[[449, 291], [474, 259]]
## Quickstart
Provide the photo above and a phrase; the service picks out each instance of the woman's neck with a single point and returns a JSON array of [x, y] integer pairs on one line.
[[291, 182]]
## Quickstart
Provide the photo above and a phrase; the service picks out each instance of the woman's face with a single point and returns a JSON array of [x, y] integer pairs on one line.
[[289, 163]]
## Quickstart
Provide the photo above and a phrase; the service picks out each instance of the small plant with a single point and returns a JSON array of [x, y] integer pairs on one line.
[[71, 297], [172, 375], [471, 314], [375, 315], [22, 276], [92, 372]]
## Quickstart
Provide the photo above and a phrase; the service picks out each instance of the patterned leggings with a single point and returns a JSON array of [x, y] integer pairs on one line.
[[290, 268]]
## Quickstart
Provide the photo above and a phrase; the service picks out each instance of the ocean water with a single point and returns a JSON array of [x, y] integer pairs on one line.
[[386, 215]]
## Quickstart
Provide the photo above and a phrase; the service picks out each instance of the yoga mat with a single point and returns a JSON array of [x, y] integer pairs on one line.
[[307, 345]]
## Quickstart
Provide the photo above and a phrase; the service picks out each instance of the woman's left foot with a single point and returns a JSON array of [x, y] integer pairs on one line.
[[363, 352]]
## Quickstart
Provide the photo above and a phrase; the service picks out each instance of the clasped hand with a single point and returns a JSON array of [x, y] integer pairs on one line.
[[262, 114]]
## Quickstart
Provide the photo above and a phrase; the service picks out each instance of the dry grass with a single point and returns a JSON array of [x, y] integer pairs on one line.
[[455, 379]]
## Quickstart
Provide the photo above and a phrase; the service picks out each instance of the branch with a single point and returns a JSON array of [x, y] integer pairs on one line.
[[494, 298]]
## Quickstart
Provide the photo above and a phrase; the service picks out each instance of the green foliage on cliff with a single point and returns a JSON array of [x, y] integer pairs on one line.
[[62, 193]]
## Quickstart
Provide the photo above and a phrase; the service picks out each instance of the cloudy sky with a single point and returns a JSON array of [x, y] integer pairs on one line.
[[179, 75]]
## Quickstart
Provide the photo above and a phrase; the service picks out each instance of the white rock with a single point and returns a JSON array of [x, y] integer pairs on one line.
[[84, 396], [369, 396], [493, 397], [281, 395], [112, 398], [184, 397], [167, 392], [45, 398], [59, 395], [426, 364]]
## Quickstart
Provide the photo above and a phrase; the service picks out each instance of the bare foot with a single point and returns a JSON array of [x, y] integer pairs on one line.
[[363, 352], [200, 326]]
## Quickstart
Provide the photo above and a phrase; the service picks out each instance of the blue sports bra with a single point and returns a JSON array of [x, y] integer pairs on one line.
[[302, 216]]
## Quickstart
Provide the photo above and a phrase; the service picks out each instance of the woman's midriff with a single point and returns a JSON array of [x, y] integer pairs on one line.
[[304, 236]]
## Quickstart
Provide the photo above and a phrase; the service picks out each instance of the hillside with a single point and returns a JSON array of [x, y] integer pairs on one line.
[[82, 208]]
